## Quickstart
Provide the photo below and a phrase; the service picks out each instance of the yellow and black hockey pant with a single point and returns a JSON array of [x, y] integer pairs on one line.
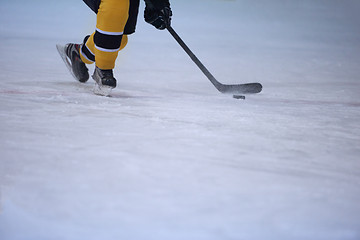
[[115, 20]]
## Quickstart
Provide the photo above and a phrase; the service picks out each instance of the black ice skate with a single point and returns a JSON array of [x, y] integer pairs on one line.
[[79, 68], [70, 53], [105, 81]]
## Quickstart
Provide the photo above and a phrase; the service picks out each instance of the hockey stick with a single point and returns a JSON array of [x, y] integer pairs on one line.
[[244, 88]]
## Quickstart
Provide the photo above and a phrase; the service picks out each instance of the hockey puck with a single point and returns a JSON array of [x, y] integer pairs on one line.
[[239, 97]]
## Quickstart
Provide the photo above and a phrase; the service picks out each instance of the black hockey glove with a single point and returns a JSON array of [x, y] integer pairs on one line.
[[158, 13]]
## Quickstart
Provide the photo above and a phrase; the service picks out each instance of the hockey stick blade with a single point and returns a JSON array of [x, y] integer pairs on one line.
[[245, 88]]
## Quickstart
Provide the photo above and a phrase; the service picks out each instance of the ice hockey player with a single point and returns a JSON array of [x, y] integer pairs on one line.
[[115, 20]]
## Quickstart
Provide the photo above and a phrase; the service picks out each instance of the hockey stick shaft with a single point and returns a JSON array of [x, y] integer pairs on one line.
[[194, 58], [245, 88]]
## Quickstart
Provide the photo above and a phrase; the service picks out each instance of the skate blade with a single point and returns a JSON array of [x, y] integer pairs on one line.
[[102, 90], [62, 52]]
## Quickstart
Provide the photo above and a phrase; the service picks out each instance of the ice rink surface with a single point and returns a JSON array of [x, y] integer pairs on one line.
[[168, 157]]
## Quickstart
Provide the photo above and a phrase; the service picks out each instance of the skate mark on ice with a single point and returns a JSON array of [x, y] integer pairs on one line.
[[314, 102], [39, 93], [124, 95]]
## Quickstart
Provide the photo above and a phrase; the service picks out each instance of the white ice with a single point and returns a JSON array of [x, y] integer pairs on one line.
[[168, 157]]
